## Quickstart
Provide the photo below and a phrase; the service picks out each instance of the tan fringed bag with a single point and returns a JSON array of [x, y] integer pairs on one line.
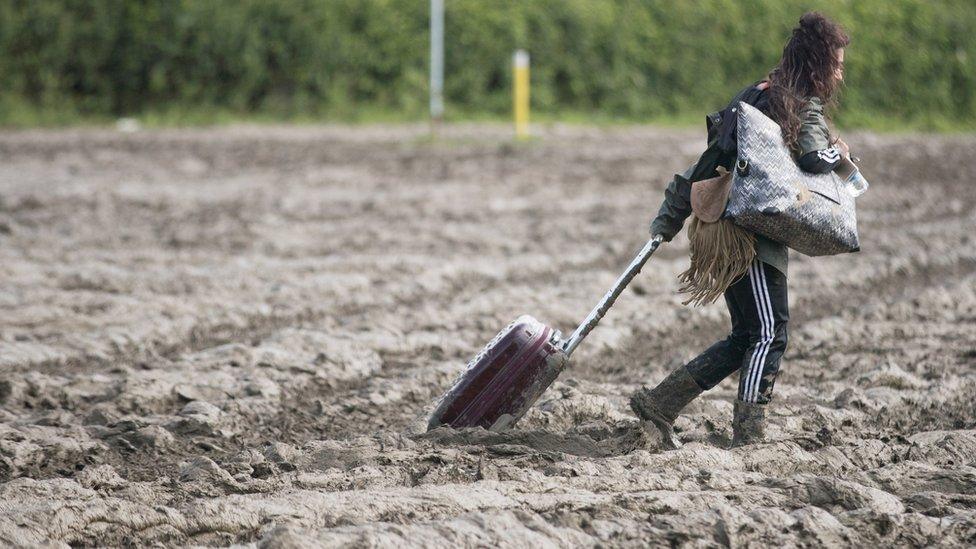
[[721, 251]]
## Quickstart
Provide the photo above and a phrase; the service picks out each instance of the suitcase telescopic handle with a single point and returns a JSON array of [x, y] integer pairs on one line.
[[604, 305]]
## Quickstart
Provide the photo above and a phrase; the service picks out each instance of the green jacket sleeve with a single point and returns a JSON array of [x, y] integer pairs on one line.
[[816, 154], [814, 133], [676, 206]]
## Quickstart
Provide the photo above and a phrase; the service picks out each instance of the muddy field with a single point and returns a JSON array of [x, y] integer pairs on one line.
[[233, 336]]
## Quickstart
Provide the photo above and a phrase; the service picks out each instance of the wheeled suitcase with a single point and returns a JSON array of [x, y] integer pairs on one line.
[[503, 381], [505, 378]]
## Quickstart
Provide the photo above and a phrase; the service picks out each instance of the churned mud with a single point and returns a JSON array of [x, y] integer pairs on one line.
[[233, 336]]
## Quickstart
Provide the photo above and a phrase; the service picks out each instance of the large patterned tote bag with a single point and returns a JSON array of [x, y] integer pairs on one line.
[[771, 195]]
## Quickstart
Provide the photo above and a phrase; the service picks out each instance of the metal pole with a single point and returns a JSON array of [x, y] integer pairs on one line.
[[604, 305], [436, 61]]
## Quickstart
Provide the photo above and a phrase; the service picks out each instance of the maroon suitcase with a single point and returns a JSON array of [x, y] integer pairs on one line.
[[503, 381]]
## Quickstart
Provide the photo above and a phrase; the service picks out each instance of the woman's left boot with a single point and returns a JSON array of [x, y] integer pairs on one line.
[[659, 407], [748, 423]]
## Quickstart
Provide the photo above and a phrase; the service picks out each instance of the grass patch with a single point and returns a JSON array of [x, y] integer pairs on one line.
[[19, 114]]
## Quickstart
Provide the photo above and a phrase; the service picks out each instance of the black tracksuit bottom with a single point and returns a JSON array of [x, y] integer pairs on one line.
[[758, 306]]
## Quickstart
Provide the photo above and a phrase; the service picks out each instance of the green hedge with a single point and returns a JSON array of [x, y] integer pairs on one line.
[[911, 61]]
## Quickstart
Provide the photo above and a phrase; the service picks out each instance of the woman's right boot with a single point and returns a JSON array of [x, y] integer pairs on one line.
[[660, 406]]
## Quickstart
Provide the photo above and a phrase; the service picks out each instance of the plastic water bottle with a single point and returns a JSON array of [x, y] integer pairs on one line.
[[856, 184]]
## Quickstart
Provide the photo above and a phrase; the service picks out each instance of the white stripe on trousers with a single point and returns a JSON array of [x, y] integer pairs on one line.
[[771, 331], [760, 309], [757, 277]]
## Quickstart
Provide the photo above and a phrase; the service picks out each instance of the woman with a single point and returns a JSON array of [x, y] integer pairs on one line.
[[794, 95]]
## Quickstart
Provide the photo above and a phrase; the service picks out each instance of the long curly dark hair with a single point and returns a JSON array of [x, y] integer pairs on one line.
[[805, 70]]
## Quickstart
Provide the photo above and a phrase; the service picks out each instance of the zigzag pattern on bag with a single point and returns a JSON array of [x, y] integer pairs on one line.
[[772, 196]]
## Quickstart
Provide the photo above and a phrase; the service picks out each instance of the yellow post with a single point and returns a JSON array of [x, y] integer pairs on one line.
[[521, 94]]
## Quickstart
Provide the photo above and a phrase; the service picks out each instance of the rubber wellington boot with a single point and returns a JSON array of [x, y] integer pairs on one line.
[[748, 423], [660, 406]]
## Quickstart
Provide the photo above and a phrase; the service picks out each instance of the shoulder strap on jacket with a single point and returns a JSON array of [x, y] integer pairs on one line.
[[754, 95], [722, 146]]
